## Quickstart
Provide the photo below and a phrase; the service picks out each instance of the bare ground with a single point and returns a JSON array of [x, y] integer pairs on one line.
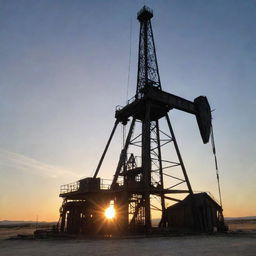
[[240, 241], [217, 245]]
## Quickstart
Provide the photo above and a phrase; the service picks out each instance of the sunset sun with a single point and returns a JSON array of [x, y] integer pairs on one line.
[[110, 212]]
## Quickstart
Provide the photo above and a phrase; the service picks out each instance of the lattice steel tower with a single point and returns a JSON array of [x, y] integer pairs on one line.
[[150, 104], [140, 179]]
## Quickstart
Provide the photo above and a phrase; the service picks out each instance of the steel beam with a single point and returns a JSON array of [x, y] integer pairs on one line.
[[179, 155], [105, 150], [146, 164], [122, 157]]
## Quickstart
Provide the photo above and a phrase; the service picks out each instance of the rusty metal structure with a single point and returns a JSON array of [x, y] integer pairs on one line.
[[144, 181]]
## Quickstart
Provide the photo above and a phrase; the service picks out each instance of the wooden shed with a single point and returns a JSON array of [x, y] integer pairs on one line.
[[197, 212]]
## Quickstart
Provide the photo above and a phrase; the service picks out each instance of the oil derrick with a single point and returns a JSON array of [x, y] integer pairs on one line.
[[139, 180], [148, 111]]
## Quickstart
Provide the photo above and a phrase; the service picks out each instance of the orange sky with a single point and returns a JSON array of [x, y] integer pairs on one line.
[[64, 70]]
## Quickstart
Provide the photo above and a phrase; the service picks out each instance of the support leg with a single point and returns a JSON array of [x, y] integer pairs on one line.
[[179, 155], [105, 150], [146, 165], [163, 221]]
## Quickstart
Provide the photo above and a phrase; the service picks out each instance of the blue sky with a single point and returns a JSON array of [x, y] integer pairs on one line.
[[64, 69]]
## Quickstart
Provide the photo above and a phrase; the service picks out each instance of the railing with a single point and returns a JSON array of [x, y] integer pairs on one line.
[[119, 107], [105, 184], [131, 100], [71, 187]]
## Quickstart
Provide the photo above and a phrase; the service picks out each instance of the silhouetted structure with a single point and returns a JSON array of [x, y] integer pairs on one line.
[[140, 181], [199, 212]]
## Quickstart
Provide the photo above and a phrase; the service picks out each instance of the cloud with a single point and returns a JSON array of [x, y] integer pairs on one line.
[[11, 160]]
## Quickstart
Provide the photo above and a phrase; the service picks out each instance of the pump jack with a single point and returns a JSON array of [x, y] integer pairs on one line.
[[135, 184]]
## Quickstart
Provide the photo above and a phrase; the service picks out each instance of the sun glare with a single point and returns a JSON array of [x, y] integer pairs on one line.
[[110, 212]]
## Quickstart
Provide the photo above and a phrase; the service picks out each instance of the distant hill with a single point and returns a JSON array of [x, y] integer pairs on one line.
[[12, 223], [154, 221], [241, 218], [22, 223]]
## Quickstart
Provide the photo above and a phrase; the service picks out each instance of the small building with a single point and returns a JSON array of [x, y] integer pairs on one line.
[[196, 213]]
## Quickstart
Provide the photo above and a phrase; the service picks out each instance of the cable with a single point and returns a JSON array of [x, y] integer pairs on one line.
[[129, 61], [124, 135], [128, 80], [216, 164]]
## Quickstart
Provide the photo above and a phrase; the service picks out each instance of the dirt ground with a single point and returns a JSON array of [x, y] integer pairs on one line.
[[215, 245], [240, 241], [14, 231], [242, 225]]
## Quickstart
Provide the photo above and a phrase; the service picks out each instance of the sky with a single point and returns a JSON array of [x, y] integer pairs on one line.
[[64, 67]]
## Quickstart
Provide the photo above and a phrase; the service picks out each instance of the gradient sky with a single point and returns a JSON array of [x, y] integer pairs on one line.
[[64, 69]]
